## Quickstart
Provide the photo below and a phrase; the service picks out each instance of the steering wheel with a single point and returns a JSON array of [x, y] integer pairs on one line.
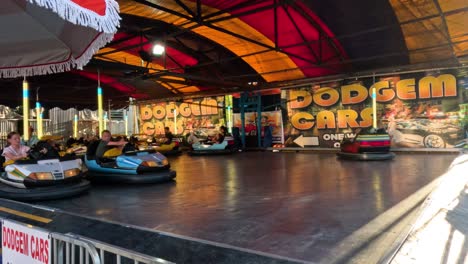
[[34, 154]]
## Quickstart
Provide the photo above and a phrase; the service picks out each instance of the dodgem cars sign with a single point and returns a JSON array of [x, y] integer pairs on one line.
[[21, 244]]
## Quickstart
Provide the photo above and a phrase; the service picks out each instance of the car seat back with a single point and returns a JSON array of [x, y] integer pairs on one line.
[[2, 160], [91, 150], [51, 151]]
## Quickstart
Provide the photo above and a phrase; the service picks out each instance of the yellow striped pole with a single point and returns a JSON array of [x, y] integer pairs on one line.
[[374, 104], [100, 111], [25, 110], [39, 120], [100, 105], [75, 126], [104, 121], [229, 112], [175, 121], [374, 108], [126, 123]]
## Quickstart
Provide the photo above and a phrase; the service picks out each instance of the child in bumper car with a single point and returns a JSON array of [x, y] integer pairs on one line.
[[14, 150]]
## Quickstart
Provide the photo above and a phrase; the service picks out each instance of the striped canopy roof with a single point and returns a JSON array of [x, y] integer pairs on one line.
[[224, 46]]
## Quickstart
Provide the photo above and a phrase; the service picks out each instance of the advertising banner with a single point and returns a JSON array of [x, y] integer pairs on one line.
[[22, 244], [419, 110], [181, 117], [272, 119]]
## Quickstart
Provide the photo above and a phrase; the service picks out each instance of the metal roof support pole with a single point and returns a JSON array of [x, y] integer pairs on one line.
[[251, 102], [232, 9], [275, 22], [242, 110], [172, 59], [304, 39], [162, 8], [318, 27], [320, 48], [199, 12], [179, 32], [244, 13], [186, 8], [170, 86], [259, 119], [445, 31], [256, 42]]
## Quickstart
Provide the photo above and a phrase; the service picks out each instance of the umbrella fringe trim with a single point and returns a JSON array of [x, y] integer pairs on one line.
[[94, 47], [79, 15], [51, 68]]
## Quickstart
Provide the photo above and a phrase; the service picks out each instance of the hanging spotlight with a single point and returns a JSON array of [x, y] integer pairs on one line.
[[158, 49]]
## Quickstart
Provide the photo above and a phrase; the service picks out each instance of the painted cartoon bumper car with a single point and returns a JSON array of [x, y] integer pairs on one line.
[[205, 148], [463, 145], [430, 133], [368, 144], [130, 167], [43, 179]]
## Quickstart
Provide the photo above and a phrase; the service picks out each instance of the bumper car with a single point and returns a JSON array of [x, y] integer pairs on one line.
[[77, 149], [463, 145], [144, 142], [367, 145], [130, 167], [205, 148], [168, 149], [43, 179]]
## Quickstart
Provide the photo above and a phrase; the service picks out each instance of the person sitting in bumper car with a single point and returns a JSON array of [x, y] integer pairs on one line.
[[14, 150], [108, 148], [168, 136]]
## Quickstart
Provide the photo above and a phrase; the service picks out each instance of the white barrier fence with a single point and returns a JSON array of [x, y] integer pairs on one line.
[[23, 243]]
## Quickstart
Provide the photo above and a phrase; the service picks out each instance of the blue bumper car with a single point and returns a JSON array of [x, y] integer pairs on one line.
[[130, 167], [43, 179], [368, 145], [204, 148]]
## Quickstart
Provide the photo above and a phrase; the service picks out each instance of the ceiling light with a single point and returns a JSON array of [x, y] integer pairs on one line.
[[158, 49]]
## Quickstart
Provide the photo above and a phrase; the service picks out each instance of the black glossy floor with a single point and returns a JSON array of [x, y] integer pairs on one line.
[[297, 205]]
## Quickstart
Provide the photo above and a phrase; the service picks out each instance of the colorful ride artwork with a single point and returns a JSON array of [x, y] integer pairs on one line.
[[418, 110], [182, 117]]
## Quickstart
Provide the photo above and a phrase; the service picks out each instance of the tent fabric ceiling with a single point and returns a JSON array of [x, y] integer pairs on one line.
[[270, 51], [433, 29], [240, 47], [175, 60], [228, 45]]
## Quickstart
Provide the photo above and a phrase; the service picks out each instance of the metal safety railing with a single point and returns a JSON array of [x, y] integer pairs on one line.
[[65, 248], [71, 249]]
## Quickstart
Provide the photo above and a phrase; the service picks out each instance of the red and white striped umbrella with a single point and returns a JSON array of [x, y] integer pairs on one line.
[[47, 36]]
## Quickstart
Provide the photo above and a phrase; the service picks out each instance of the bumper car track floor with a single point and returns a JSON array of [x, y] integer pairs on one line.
[[296, 205]]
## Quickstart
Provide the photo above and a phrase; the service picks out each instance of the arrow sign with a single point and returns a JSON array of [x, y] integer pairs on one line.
[[306, 141]]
